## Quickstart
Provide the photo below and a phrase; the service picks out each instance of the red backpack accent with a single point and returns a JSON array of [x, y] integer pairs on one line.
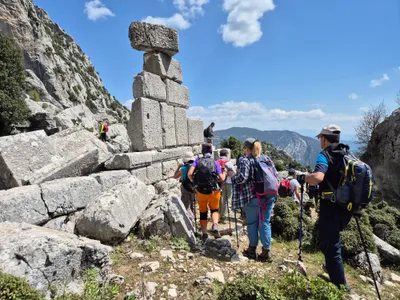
[[105, 128], [284, 188], [222, 163]]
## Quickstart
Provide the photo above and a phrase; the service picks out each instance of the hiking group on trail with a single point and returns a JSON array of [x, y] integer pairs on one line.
[[341, 182]]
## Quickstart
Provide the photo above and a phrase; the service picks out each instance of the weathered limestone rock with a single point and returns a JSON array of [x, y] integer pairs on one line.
[[111, 217], [67, 195], [362, 262], [389, 254], [79, 115], [68, 141], [118, 135], [163, 65], [168, 125], [161, 187], [109, 179], [169, 154], [78, 163], [154, 173], [40, 118], [195, 131], [22, 154], [144, 127], [166, 215], [64, 223], [140, 174], [177, 95], [129, 161], [149, 85], [168, 168], [181, 128], [384, 156], [150, 37], [220, 247], [23, 204], [49, 258]]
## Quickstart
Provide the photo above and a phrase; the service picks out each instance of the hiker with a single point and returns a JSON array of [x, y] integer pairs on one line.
[[242, 211], [226, 187], [103, 131], [294, 186], [258, 208], [187, 188], [205, 173], [332, 218], [209, 133]]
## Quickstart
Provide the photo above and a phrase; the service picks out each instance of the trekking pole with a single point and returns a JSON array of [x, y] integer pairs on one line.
[[229, 217], [369, 262], [195, 215], [301, 222], [236, 226]]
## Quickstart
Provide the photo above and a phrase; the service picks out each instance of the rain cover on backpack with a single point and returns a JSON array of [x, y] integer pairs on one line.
[[265, 177]]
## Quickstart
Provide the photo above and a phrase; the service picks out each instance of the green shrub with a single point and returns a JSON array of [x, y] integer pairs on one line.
[[72, 97], [58, 71], [180, 244], [279, 166], [13, 108], [249, 288], [114, 105], [382, 231], [382, 217], [12, 287], [93, 289], [93, 108], [34, 95], [296, 286], [91, 70], [76, 89], [395, 213], [45, 106], [351, 241], [394, 238]]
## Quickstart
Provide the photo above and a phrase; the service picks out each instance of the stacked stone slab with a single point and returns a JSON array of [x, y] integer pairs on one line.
[[158, 116]]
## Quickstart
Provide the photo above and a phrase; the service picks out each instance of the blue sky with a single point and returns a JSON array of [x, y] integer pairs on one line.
[[266, 64]]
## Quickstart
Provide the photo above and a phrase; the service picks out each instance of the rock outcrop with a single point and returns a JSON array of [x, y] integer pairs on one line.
[[383, 155], [49, 258], [59, 75]]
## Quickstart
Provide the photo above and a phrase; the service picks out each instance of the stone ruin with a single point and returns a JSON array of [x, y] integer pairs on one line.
[[61, 195]]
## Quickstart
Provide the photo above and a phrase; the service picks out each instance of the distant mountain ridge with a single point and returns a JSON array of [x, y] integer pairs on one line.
[[302, 148]]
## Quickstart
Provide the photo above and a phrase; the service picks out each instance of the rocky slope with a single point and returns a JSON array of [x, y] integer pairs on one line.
[[59, 75], [383, 156]]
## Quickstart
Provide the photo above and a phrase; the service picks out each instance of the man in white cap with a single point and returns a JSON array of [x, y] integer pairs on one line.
[[332, 218], [187, 188]]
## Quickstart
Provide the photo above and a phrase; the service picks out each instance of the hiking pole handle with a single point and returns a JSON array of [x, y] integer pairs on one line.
[[369, 262]]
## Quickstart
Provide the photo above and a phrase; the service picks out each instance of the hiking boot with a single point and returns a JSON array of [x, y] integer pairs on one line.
[[204, 237], [265, 255], [250, 253], [215, 231]]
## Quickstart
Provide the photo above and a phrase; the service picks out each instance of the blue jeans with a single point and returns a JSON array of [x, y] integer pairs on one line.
[[254, 223], [332, 220]]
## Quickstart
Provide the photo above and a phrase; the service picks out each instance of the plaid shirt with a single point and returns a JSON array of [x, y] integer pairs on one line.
[[242, 183]]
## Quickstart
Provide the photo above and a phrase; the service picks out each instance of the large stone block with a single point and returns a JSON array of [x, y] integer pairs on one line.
[[154, 173], [64, 223], [140, 174], [163, 65], [169, 154], [49, 258], [67, 195], [111, 217], [129, 161], [168, 125], [177, 95], [149, 85], [195, 131], [150, 37], [109, 179], [144, 127], [168, 168], [68, 141], [78, 163], [22, 154], [23, 204], [181, 126]]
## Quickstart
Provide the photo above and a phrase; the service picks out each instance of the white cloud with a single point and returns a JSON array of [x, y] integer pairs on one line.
[[255, 115], [243, 26], [354, 96], [128, 103], [176, 21], [187, 10], [378, 82], [96, 10], [364, 108]]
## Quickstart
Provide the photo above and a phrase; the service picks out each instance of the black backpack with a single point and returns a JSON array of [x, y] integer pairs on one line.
[[206, 178]]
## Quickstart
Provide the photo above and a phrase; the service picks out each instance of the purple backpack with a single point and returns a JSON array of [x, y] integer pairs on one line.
[[265, 177]]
